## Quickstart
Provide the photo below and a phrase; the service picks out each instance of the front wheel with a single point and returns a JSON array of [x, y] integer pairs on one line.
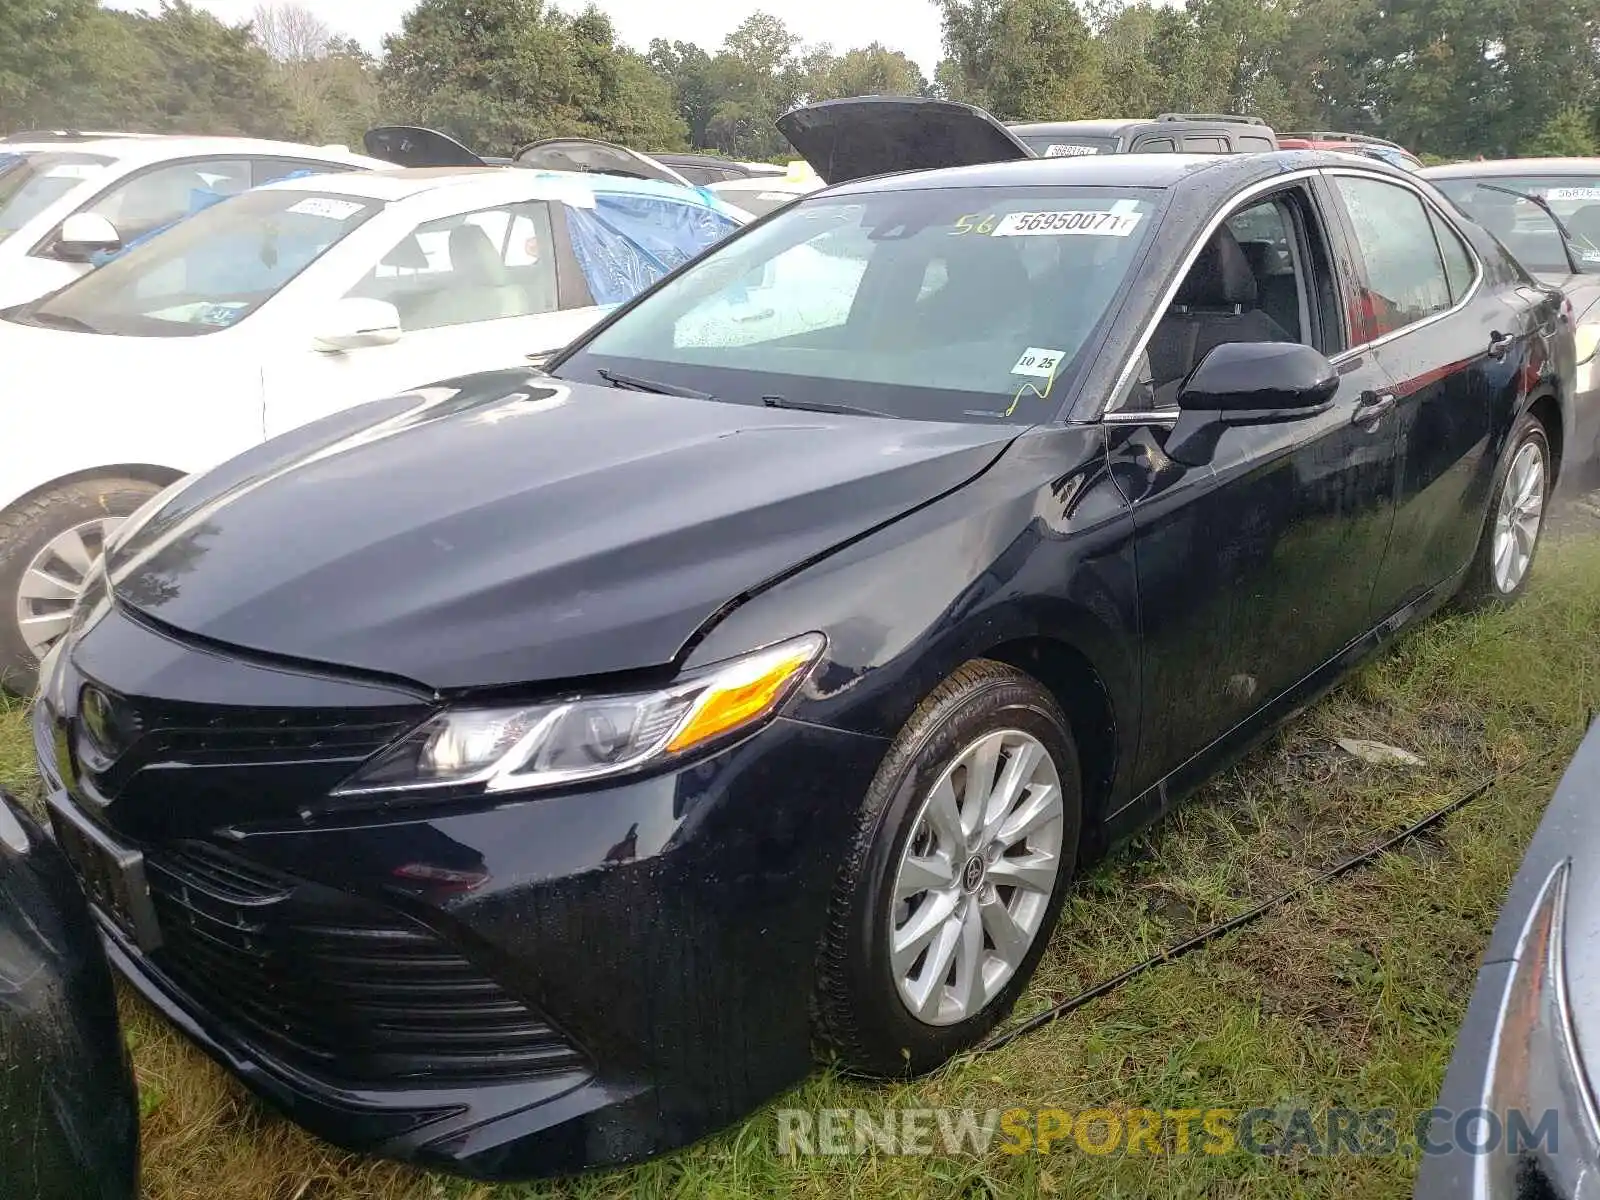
[[1504, 559], [47, 546], [966, 845]]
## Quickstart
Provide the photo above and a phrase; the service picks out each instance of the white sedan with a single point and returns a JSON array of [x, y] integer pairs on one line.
[[281, 306], [61, 203]]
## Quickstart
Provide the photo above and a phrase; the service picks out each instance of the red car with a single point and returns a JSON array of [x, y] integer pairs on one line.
[[1392, 153]]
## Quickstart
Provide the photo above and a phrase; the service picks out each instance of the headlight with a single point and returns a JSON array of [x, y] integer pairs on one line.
[[570, 741], [1587, 338], [1534, 1064]]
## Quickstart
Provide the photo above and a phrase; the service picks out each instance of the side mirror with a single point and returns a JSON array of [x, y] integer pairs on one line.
[[83, 235], [1248, 383], [354, 323]]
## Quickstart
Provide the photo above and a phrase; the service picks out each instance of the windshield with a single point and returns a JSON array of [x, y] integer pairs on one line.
[[1524, 228], [31, 183], [955, 304], [1067, 145], [208, 272]]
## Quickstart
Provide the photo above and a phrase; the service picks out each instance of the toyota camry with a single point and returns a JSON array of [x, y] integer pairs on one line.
[[534, 771]]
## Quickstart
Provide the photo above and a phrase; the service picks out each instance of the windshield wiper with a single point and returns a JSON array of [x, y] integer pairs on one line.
[[655, 387], [822, 406], [1540, 202]]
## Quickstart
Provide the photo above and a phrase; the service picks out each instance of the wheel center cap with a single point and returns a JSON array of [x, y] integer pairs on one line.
[[973, 873]]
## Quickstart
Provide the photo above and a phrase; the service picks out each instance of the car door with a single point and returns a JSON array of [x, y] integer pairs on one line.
[[1254, 566], [1451, 342], [475, 291]]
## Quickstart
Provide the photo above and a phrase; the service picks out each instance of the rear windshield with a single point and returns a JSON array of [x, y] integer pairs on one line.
[[1067, 145], [1523, 227], [31, 183], [949, 304]]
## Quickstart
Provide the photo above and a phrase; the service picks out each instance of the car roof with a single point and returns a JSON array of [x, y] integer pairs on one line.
[[1104, 127], [1514, 166], [1222, 174], [494, 184], [157, 149]]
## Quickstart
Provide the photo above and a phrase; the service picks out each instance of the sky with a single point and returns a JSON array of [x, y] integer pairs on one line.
[[908, 25]]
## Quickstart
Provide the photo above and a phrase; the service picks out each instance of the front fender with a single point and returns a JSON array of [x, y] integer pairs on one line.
[[1039, 547]]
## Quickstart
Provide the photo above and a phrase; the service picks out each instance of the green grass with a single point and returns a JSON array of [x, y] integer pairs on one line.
[[1347, 997]]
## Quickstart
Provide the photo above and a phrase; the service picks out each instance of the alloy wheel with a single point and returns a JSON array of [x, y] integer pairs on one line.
[[1517, 521], [53, 581], [976, 876]]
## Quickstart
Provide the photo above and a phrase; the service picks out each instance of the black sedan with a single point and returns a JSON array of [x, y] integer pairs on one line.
[[1546, 211], [528, 772], [1516, 1119]]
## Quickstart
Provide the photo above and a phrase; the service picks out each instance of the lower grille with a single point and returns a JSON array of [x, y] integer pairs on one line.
[[342, 988]]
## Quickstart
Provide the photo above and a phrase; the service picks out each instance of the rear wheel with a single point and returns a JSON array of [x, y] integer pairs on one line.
[[47, 547], [966, 846], [1504, 560]]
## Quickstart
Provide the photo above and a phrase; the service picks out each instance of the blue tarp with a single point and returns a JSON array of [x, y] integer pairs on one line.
[[639, 230]]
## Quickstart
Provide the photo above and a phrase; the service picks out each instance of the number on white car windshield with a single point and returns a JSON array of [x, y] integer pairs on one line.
[[1524, 227], [963, 305], [208, 272]]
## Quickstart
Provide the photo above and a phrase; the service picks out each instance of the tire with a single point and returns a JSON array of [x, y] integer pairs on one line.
[[861, 1016], [1483, 586], [26, 529]]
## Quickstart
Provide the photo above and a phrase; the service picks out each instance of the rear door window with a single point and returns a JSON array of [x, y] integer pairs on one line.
[[1406, 280], [1197, 144], [1458, 265]]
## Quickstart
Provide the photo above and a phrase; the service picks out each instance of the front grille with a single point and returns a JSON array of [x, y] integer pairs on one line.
[[342, 988], [166, 734]]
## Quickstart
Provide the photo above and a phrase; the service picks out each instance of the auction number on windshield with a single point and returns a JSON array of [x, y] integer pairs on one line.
[[1049, 224]]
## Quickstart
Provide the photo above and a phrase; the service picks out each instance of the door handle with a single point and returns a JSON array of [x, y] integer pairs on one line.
[[1500, 344], [1371, 409]]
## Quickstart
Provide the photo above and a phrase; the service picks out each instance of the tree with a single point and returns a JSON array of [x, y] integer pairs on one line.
[[1567, 134], [42, 50], [756, 78], [291, 33], [687, 70], [499, 73], [874, 70], [1021, 59]]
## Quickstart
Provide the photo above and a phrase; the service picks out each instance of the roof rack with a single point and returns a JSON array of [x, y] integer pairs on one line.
[[1234, 118], [1363, 139]]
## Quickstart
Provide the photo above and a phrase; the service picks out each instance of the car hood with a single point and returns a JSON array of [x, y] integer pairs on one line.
[[876, 135], [512, 528]]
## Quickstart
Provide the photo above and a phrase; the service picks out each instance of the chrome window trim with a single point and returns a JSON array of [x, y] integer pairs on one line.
[[1140, 416], [1472, 255], [1120, 416]]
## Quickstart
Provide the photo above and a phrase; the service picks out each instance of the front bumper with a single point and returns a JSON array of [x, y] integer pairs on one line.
[[645, 951]]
